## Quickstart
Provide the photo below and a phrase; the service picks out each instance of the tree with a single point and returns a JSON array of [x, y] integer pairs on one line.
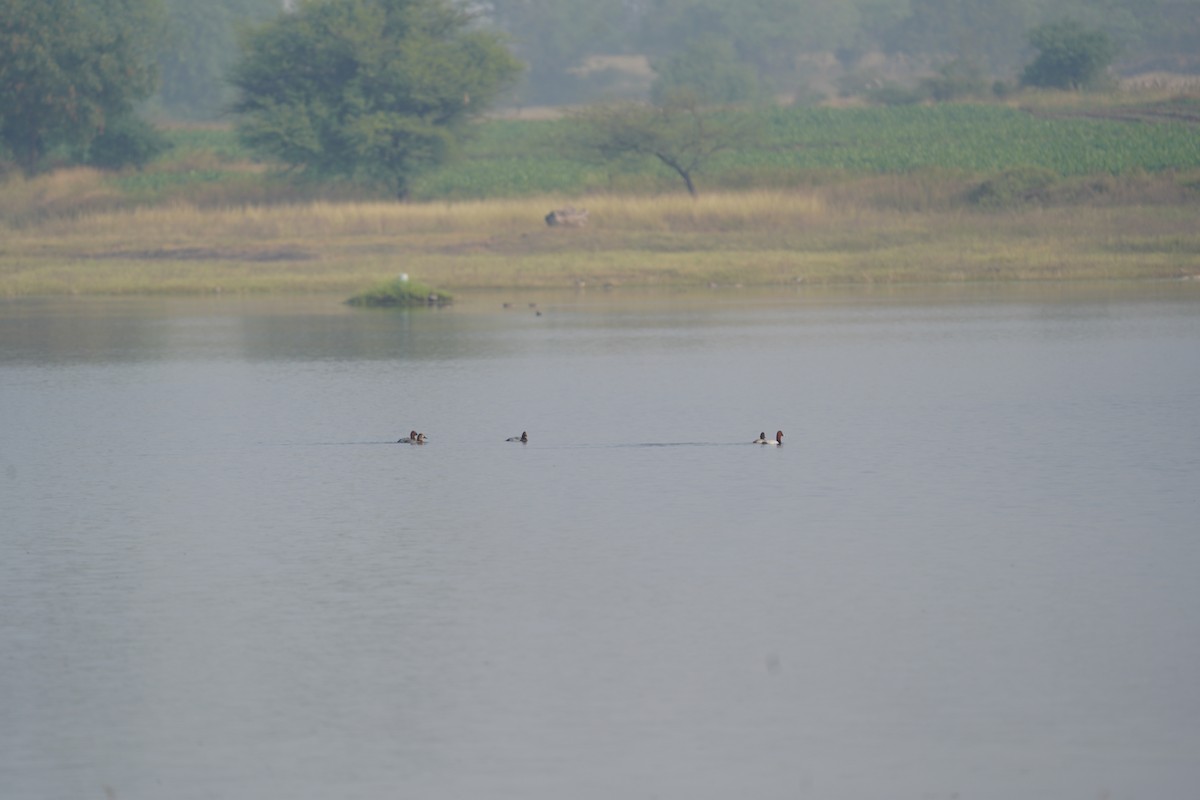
[[1069, 56], [681, 133], [70, 70], [371, 89]]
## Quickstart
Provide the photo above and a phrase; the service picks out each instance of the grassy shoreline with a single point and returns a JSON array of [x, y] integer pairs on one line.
[[754, 238], [1074, 187]]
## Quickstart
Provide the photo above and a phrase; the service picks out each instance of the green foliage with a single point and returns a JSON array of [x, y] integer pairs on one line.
[[709, 69], [531, 174], [126, 141], [973, 138], [954, 143], [373, 89], [400, 292], [1069, 56], [802, 145], [219, 143], [69, 69]]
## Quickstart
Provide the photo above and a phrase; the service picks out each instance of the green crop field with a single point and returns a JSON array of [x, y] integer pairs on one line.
[[798, 146], [514, 158], [977, 139]]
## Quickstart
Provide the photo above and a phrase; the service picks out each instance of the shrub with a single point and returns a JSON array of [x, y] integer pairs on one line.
[[1013, 187], [128, 141]]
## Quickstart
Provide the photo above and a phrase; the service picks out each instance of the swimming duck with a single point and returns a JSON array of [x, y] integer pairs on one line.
[[523, 438], [762, 438], [412, 436], [418, 439], [777, 440]]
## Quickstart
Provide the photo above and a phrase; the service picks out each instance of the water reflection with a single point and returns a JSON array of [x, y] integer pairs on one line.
[[256, 330], [100, 330]]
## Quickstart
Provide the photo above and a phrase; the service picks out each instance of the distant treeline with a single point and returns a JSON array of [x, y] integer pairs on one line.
[[386, 88], [581, 50]]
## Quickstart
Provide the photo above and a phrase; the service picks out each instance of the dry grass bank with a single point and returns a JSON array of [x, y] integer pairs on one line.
[[755, 238]]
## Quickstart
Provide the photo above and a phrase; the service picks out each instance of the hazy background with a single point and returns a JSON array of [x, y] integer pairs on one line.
[[798, 50]]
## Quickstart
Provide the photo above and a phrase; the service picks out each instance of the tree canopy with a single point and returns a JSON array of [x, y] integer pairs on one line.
[[370, 89], [1069, 56], [71, 71]]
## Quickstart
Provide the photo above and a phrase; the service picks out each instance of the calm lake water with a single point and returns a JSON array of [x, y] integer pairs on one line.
[[972, 570]]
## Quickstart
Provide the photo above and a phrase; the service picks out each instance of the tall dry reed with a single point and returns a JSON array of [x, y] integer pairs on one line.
[[725, 211]]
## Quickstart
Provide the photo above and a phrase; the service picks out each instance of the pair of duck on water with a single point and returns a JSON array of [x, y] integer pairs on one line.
[[419, 438]]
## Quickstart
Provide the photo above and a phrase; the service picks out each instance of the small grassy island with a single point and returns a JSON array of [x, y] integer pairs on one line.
[[400, 292]]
